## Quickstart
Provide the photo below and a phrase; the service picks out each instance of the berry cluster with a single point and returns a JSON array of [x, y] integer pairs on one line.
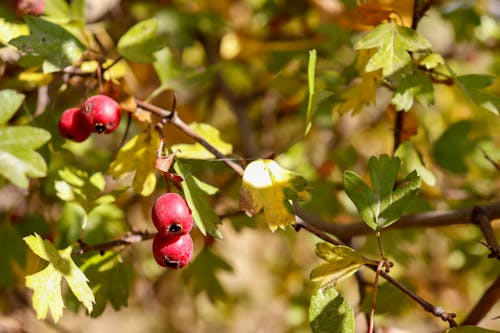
[[99, 114], [172, 245]]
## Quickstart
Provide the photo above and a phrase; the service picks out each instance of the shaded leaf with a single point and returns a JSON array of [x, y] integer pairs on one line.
[[362, 196], [201, 274], [48, 44], [330, 313], [18, 160], [108, 280], [342, 262], [450, 149], [268, 186], [13, 250], [46, 284], [141, 41], [203, 213], [393, 43], [473, 86], [416, 86], [196, 150], [138, 155]]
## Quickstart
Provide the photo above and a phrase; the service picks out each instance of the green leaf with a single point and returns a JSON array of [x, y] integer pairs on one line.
[[432, 61], [10, 101], [18, 160], [362, 196], [141, 41], [400, 199], [413, 161], [196, 150], [46, 284], [201, 274], [48, 44], [452, 146], [330, 313], [138, 155], [342, 262], [416, 86], [383, 174], [393, 43], [203, 213], [268, 186], [469, 329], [473, 86], [311, 77], [108, 280], [13, 251]]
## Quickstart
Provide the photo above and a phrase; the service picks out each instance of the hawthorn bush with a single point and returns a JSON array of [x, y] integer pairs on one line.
[[339, 161]]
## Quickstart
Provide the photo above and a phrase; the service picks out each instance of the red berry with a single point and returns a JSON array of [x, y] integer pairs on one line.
[[173, 252], [73, 125], [30, 7], [103, 113], [171, 215]]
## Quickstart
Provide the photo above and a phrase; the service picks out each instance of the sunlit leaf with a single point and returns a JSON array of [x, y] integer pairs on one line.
[[48, 44], [393, 43], [18, 160], [138, 155], [342, 261], [329, 312], [413, 161], [46, 284], [311, 77], [268, 186], [141, 41], [11, 30], [10, 101], [473, 86], [432, 61], [202, 210], [196, 150]]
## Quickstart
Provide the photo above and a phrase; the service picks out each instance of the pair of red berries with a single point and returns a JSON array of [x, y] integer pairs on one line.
[[99, 114], [172, 245]]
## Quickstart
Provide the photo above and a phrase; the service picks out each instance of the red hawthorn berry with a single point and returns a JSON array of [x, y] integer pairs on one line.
[[30, 7], [173, 252], [171, 215], [103, 113], [73, 125]]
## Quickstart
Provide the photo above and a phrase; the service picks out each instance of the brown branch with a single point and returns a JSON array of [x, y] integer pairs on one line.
[[422, 220], [398, 128], [485, 303], [487, 157], [420, 7], [127, 239], [480, 218]]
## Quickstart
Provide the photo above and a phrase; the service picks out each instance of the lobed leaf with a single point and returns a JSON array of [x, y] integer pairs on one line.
[[362, 196], [416, 86], [196, 150], [46, 284], [393, 43], [269, 187], [413, 161], [48, 44], [330, 313]]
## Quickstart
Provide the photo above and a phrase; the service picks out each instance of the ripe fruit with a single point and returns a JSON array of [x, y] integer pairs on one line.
[[103, 113], [73, 125], [173, 252], [30, 7], [171, 215]]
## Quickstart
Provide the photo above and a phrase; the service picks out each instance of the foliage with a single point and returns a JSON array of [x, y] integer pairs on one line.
[[302, 116]]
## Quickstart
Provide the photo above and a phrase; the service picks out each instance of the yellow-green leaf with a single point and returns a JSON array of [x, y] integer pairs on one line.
[[46, 284], [268, 186], [196, 150], [138, 155]]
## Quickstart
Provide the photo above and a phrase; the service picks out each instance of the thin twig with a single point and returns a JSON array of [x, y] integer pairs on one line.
[[374, 296], [485, 303], [486, 156], [480, 218], [127, 239]]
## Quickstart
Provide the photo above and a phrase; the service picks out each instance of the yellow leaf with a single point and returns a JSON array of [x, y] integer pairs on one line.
[[268, 186]]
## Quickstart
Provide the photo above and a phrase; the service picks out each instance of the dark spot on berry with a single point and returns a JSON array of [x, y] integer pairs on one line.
[[87, 108], [99, 128], [69, 136], [172, 263], [174, 228]]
